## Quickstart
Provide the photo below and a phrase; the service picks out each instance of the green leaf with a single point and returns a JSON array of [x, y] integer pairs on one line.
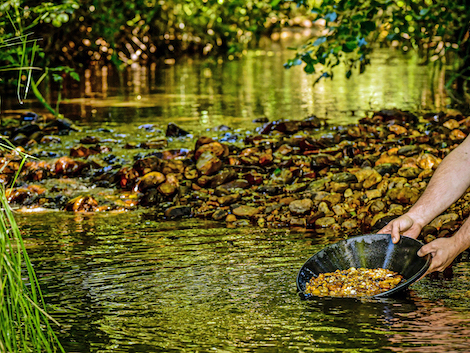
[[75, 76]]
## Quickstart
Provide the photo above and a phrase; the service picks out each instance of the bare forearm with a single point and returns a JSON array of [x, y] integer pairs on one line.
[[448, 183]]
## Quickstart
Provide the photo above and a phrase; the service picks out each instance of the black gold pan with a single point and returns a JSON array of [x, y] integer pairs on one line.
[[368, 251]]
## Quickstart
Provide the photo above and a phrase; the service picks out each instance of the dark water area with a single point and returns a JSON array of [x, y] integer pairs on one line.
[[126, 283]]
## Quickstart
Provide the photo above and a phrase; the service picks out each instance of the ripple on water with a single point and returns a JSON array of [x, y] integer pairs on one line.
[[123, 283]]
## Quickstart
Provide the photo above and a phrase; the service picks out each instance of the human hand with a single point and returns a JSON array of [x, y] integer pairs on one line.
[[443, 252], [403, 224]]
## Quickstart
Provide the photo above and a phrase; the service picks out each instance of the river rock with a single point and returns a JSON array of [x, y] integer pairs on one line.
[[228, 199], [372, 179], [223, 177], [428, 161], [178, 212], [150, 180], [208, 164], [167, 188], [409, 172], [373, 194], [282, 177], [174, 130], [245, 211], [219, 214], [377, 206], [82, 203], [324, 222], [338, 187], [439, 221], [457, 135], [301, 206], [216, 148]]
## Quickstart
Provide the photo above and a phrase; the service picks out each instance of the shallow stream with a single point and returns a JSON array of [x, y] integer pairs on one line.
[[126, 283], [123, 282]]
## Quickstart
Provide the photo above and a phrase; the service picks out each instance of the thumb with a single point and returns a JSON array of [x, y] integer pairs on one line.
[[425, 249]]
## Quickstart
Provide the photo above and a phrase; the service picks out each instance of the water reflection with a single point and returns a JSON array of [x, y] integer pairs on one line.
[[203, 94], [125, 283]]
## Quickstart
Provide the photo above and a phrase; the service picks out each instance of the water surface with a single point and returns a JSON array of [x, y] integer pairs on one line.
[[127, 283]]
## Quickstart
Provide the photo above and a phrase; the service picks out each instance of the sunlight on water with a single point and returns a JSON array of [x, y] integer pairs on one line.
[[203, 94], [126, 283]]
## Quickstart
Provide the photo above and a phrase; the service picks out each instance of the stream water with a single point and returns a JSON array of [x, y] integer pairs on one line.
[[124, 282]]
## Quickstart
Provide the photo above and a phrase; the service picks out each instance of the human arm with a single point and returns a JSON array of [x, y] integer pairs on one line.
[[448, 183]]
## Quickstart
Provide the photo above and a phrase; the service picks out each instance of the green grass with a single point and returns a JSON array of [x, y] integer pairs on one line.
[[24, 324]]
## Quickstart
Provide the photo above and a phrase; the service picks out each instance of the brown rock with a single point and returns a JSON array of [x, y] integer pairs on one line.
[[373, 194], [428, 161], [150, 180], [245, 211], [442, 219], [208, 164], [409, 172], [457, 135], [230, 218], [324, 222], [172, 166], [398, 129], [228, 199], [68, 166], [82, 204], [372, 179], [301, 206], [386, 159], [191, 173], [215, 148]]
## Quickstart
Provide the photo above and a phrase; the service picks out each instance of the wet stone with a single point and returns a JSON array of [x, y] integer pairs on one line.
[[377, 206], [219, 214], [208, 164], [223, 177], [151, 180], [339, 187], [301, 206], [386, 168], [174, 130], [317, 185], [344, 177], [245, 211], [409, 150], [269, 189], [439, 221], [82, 204], [178, 211], [324, 222], [228, 199], [235, 184], [409, 172]]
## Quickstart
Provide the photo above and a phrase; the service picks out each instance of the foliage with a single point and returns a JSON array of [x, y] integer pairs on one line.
[[24, 324], [437, 29], [141, 30], [20, 49]]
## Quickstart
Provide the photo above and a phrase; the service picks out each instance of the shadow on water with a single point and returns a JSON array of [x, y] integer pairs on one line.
[[126, 283]]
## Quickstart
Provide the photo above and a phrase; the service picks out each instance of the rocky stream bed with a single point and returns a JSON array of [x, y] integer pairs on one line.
[[302, 174]]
